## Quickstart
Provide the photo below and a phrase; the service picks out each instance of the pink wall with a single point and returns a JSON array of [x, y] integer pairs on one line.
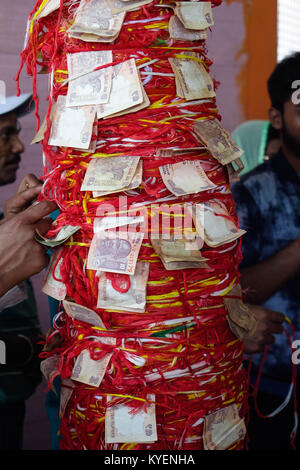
[[223, 44]]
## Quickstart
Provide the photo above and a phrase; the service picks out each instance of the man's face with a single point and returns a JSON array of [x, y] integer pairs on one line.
[[291, 127], [11, 148]]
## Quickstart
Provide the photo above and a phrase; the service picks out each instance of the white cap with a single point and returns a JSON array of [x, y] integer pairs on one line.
[[21, 105]]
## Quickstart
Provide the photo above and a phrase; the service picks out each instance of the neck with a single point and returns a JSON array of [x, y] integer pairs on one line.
[[292, 158]]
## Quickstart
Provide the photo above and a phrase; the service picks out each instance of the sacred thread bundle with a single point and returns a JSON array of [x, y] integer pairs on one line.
[[146, 246]]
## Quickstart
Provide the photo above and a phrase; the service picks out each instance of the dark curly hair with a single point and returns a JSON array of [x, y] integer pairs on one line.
[[281, 80]]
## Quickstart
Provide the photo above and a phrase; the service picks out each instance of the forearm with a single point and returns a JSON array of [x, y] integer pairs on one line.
[[262, 280]]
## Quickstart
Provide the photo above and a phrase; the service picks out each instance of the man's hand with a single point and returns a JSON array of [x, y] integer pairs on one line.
[[269, 323], [28, 190], [20, 255]]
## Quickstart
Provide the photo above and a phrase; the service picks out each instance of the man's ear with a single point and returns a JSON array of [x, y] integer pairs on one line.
[[275, 118]]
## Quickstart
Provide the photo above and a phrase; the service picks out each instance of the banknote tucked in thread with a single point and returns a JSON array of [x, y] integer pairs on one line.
[[81, 313], [110, 174], [186, 177], [115, 252], [217, 140], [52, 284], [126, 90], [72, 127], [48, 8], [133, 109], [94, 18], [192, 80], [215, 222], [239, 313], [180, 33], [121, 425], [135, 183], [223, 428], [61, 237], [133, 300], [66, 390], [90, 88], [175, 256], [194, 15], [49, 367], [90, 371]]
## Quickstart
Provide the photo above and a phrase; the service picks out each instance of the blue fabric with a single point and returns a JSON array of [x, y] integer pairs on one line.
[[268, 207]]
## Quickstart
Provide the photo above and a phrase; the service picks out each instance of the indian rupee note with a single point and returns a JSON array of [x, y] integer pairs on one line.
[[180, 33], [217, 140], [71, 127], [121, 425], [195, 15], [66, 390], [186, 177], [133, 109], [219, 228], [109, 174], [135, 183], [81, 313], [238, 312], [89, 371], [126, 90], [115, 252], [90, 88], [177, 250], [223, 428], [53, 285], [192, 80], [48, 8], [61, 237], [94, 17], [134, 300]]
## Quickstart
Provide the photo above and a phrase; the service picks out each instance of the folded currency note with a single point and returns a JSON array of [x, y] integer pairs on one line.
[[94, 19], [61, 237], [135, 183], [194, 15], [72, 127], [216, 223], [90, 88], [81, 313], [121, 425], [115, 252], [176, 254], [52, 286], [223, 428], [48, 8], [187, 177], [126, 90], [245, 323], [89, 371], [192, 80], [110, 174], [134, 300], [217, 140], [180, 33]]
